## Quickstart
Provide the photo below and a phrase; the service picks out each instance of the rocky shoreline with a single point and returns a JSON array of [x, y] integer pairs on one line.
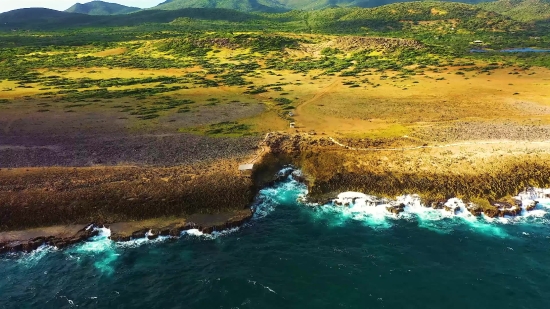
[[208, 224], [495, 209], [148, 202]]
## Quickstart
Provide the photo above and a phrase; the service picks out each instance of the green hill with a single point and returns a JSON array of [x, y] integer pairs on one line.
[[34, 18], [390, 18], [239, 5], [101, 8], [46, 19], [523, 10], [279, 5]]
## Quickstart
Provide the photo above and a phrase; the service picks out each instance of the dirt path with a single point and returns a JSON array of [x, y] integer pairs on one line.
[[317, 96], [262, 150]]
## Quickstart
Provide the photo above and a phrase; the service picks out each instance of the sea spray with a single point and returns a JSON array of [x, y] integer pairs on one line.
[[100, 248], [287, 191], [379, 213]]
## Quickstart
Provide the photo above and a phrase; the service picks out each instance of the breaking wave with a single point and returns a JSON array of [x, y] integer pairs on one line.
[[381, 213]]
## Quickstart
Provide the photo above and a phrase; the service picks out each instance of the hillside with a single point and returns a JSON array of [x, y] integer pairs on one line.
[[523, 10], [35, 18], [46, 19], [101, 8], [239, 5], [390, 18], [278, 5]]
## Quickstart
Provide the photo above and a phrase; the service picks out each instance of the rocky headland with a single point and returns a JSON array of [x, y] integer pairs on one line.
[[59, 206]]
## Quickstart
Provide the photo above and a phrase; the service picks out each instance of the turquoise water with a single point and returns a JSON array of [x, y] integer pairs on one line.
[[296, 256]]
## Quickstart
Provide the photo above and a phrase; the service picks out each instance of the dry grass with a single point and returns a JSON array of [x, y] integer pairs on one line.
[[111, 52]]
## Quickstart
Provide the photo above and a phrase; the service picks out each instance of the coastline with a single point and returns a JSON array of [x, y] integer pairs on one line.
[[139, 202]]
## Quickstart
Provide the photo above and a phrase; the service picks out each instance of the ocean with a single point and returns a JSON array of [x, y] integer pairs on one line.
[[294, 255]]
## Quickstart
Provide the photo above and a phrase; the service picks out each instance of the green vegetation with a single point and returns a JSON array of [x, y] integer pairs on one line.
[[76, 59], [101, 8], [240, 5], [275, 5], [522, 10]]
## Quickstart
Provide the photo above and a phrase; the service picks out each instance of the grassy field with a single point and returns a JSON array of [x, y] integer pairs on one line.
[[218, 86]]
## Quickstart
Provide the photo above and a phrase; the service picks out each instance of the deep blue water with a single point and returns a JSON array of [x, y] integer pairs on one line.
[[295, 256]]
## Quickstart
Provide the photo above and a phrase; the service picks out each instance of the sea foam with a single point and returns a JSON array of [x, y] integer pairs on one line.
[[374, 212]]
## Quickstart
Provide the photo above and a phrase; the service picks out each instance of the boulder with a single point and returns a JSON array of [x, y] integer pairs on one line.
[[16, 246], [531, 206], [152, 234], [396, 209]]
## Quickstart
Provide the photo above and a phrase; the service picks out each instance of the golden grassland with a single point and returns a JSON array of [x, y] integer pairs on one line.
[[374, 103]]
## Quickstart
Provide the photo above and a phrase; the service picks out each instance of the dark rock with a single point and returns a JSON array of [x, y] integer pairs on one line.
[[506, 209], [491, 212], [475, 210], [175, 232], [153, 234], [139, 234], [165, 232], [16, 246], [26, 246], [396, 209], [60, 244], [531, 206], [120, 238]]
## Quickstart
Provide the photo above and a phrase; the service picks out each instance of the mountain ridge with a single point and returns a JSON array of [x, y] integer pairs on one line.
[[522, 10], [282, 5], [98, 7]]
